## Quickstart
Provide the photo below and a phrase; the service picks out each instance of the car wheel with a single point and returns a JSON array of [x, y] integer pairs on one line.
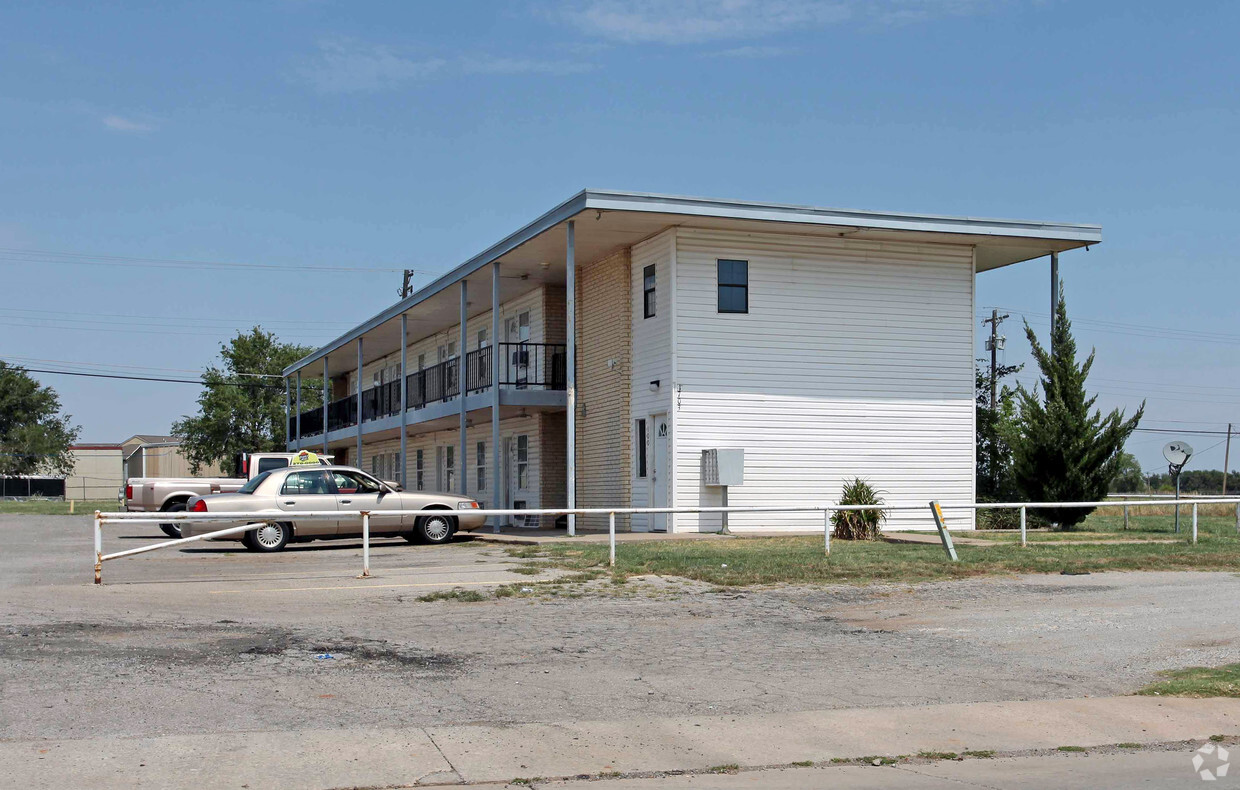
[[267, 538], [435, 529], [172, 530]]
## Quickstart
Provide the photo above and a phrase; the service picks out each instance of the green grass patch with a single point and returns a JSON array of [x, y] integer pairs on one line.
[[455, 594], [1070, 748], [803, 763], [937, 755], [1221, 681], [53, 507], [800, 560], [728, 768], [981, 753], [1128, 745]]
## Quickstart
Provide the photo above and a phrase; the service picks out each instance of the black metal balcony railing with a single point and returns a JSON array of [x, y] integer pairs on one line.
[[522, 366]]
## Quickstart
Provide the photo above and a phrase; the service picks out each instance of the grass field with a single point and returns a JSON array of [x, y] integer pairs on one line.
[[1111, 527], [51, 507], [800, 560], [1221, 681]]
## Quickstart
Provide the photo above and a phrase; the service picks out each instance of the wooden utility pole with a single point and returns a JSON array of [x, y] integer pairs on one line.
[[1226, 458], [993, 344], [407, 287]]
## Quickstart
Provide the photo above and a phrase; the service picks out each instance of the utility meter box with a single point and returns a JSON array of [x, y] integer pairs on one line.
[[723, 467]]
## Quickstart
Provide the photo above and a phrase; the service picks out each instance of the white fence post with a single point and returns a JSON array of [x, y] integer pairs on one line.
[[1194, 522], [826, 530], [611, 536], [1125, 516], [98, 548], [944, 535], [1024, 542], [365, 544]]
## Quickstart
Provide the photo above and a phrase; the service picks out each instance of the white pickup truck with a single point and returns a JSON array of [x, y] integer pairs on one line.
[[169, 494]]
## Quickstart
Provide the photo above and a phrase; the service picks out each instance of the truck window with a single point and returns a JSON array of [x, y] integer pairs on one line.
[[267, 464], [251, 486]]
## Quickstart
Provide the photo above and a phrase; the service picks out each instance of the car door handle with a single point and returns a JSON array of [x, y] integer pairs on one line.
[[346, 501], [290, 502]]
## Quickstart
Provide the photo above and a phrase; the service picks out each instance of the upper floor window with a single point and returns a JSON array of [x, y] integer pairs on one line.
[[648, 283], [733, 286]]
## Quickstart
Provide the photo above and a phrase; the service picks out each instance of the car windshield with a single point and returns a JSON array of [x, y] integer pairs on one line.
[[251, 486]]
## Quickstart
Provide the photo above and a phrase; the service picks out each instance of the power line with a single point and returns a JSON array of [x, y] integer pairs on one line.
[[18, 255], [179, 318], [200, 383], [107, 365]]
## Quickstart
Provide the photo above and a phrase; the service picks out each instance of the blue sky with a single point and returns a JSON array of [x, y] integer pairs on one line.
[[415, 134]]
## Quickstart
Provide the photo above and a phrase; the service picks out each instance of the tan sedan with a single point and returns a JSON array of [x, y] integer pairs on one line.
[[315, 489]]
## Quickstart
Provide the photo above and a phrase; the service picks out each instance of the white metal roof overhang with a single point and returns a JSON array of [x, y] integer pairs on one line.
[[608, 221]]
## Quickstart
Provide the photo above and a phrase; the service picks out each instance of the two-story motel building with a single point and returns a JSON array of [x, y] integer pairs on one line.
[[590, 357]]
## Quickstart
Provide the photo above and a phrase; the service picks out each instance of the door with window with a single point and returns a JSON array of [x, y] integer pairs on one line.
[[446, 481], [517, 330], [659, 477], [520, 479], [311, 491], [356, 491]]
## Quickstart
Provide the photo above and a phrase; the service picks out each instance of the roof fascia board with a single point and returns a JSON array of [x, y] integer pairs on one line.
[[569, 208], [770, 212]]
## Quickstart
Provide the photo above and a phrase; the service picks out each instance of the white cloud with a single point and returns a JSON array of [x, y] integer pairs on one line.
[[354, 67], [699, 21], [490, 65], [347, 66], [752, 51], [118, 124]]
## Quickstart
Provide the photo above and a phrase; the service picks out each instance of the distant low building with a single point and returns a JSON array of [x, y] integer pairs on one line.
[[100, 470]]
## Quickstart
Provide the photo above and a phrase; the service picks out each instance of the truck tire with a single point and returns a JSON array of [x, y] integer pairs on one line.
[[172, 530], [268, 537]]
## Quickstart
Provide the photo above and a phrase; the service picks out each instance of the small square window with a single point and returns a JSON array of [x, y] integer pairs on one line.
[[648, 286], [733, 279]]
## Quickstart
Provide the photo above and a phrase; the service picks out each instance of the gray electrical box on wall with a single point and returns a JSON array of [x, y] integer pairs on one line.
[[723, 467]]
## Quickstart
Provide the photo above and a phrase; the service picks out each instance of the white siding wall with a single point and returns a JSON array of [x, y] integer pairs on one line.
[[652, 357], [856, 358]]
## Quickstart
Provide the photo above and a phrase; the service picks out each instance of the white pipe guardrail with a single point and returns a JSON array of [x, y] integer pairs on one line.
[[255, 520]]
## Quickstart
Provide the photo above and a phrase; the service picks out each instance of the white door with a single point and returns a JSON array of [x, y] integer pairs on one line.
[[659, 476]]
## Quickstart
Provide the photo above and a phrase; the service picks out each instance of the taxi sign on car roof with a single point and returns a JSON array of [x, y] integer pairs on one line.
[[305, 458]]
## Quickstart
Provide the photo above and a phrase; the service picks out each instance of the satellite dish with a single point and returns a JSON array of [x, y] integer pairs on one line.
[[1177, 453]]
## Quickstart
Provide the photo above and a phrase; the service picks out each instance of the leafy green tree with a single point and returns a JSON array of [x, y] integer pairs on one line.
[[1067, 451], [34, 436], [997, 430], [241, 408], [1129, 479]]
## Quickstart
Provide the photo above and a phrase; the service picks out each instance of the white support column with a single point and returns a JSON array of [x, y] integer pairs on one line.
[[288, 439], [1054, 293], [299, 410], [404, 400], [357, 461], [327, 394], [496, 468], [570, 294], [462, 382]]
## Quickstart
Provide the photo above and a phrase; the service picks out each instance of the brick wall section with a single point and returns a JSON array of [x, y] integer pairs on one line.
[[553, 452], [604, 440]]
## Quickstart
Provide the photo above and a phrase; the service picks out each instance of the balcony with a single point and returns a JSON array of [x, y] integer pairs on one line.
[[524, 367]]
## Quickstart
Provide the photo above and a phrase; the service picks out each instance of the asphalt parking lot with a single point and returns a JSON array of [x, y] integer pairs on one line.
[[215, 638]]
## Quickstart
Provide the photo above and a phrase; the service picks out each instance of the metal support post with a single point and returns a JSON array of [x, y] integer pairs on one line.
[[98, 548], [404, 401], [327, 395], [944, 535], [1125, 517], [1194, 522], [288, 438], [1024, 537], [570, 291], [462, 384], [299, 410], [365, 545], [611, 532], [497, 469], [826, 531], [1177, 502], [358, 460], [723, 517]]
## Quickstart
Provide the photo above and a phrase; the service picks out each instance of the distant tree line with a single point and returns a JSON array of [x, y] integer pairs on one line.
[[1192, 481]]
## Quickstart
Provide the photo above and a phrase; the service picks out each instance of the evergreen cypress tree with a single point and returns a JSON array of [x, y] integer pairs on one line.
[[1065, 453]]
